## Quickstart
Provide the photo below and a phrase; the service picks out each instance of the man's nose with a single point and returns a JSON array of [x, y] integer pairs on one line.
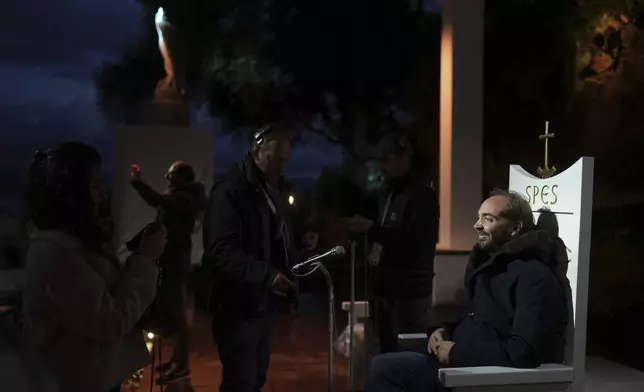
[[478, 225]]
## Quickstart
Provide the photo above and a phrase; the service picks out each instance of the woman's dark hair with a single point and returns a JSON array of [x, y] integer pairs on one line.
[[57, 194]]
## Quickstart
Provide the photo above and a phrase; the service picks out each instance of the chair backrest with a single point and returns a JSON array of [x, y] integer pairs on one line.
[[569, 197], [547, 220]]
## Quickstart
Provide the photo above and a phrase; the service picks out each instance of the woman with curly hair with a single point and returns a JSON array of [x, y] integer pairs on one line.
[[81, 306]]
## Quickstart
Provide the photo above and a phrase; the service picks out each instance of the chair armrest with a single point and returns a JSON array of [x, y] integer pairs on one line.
[[361, 308], [415, 342], [497, 375], [412, 336]]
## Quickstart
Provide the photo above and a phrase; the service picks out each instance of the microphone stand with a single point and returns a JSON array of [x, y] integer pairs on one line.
[[352, 303], [315, 263], [329, 282]]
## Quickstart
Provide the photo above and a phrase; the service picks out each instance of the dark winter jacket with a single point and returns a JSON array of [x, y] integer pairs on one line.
[[408, 237], [178, 211], [518, 312], [245, 244]]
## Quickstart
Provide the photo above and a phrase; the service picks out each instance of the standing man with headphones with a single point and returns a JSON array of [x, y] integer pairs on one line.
[[247, 248], [404, 240]]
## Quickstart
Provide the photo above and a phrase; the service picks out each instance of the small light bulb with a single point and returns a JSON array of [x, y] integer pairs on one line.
[[291, 200], [150, 335]]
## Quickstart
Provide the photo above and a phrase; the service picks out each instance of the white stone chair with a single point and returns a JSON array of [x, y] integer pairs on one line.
[[575, 186], [568, 376]]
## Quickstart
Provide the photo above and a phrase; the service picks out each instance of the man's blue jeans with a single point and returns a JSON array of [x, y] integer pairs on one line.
[[404, 371]]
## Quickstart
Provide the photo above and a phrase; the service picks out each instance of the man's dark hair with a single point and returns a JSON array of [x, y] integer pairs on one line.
[[185, 171], [395, 143], [517, 210], [57, 193]]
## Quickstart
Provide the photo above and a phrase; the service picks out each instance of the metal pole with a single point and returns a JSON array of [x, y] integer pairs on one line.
[[367, 295], [352, 302], [154, 351], [329, 282], [366, 268], [160, 357]]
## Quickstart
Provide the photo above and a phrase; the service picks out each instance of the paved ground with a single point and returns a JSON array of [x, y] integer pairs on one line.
[[603, 376], [298, 364]]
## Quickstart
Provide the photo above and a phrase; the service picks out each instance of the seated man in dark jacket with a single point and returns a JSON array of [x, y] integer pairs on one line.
[[517, 314]]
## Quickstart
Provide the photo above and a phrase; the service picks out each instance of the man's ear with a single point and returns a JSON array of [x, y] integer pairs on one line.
[[518, 226], [254, 151]]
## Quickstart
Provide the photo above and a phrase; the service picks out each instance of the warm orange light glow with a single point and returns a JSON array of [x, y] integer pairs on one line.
[[446, 124]]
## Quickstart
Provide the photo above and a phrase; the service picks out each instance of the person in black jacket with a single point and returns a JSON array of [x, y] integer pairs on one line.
[[248, 249], [178, 209], [518, 311], [404, 238]]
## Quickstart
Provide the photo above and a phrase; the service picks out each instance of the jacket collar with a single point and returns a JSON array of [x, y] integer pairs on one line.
[[533, 245], [246, 173], [399, 184]]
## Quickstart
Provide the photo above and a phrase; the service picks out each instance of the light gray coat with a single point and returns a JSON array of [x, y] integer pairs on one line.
[[81, 308]]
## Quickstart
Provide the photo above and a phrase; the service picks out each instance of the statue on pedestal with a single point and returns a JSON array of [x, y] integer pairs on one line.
[[170, 89]]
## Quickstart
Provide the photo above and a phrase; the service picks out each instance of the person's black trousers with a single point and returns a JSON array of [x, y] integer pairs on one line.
[[171, 294], [398, 316], [244, 347], [404, 371]]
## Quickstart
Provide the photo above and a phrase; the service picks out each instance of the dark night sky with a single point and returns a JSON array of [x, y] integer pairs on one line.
[[49, 52]]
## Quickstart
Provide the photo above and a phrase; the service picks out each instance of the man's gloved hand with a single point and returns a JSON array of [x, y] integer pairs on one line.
[[282, 286]]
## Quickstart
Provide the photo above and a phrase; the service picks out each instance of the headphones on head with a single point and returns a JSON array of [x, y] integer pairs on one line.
[[40, 156], [258, 137], [402, 143]]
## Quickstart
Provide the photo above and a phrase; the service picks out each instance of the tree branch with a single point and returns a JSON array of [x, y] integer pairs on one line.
[[333, 140]]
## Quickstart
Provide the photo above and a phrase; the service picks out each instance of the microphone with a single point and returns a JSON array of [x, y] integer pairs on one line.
[[332, 253]]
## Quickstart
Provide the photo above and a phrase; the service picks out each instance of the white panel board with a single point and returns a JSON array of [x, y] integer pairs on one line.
[[569, 195]]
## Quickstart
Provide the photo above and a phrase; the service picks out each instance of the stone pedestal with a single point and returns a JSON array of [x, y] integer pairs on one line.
[[164, 114]]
